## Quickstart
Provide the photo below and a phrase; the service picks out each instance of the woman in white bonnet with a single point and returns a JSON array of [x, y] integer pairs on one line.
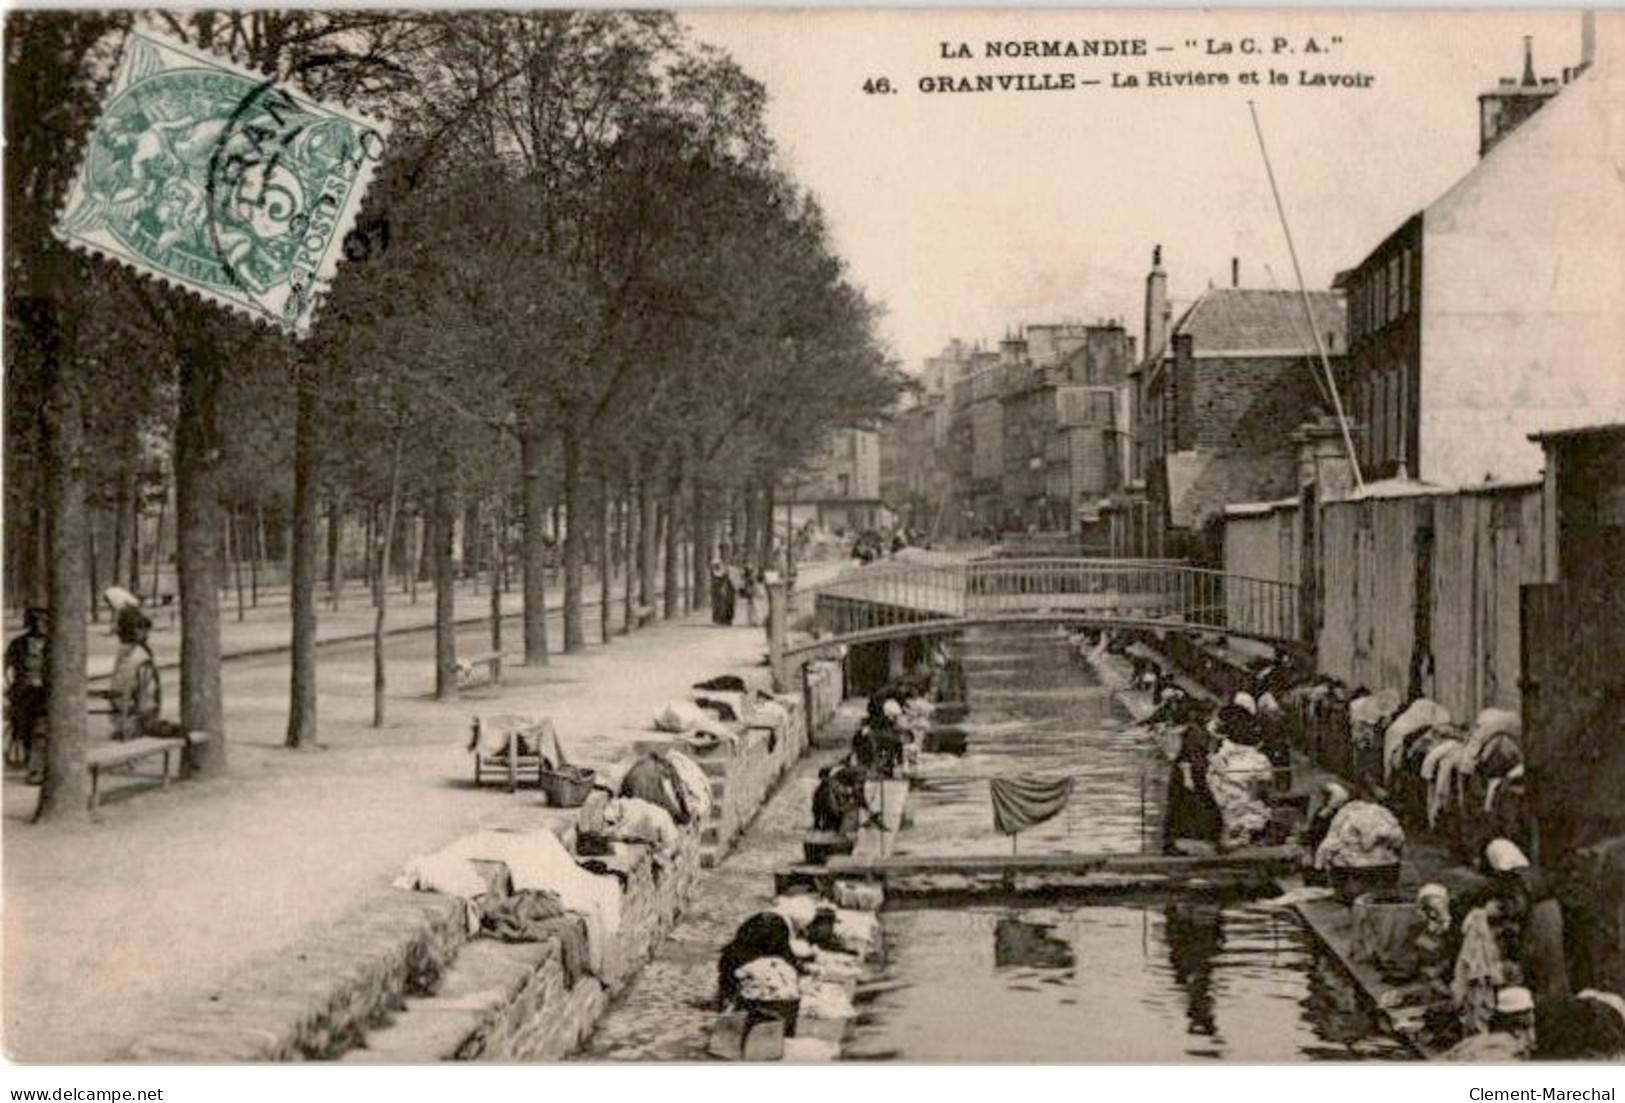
[[1528, 895]]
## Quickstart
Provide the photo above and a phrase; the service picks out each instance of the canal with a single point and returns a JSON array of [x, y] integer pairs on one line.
[[1171, 978]]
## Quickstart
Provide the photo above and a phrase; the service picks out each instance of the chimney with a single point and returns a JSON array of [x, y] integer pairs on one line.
[[1588, 39], [1156, 306], [1502, 109], [1529, 80], [1235, 271]]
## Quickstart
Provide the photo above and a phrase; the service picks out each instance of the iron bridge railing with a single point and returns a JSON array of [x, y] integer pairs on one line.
[[874, 601]]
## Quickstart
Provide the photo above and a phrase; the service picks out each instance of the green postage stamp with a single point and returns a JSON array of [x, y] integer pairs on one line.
[[220, 181]]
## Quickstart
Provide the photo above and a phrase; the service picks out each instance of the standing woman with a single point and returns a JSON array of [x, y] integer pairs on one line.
[[721, 594], [1189, 812]]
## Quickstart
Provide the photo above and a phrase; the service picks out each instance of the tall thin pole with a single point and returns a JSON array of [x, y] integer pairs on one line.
[[1337, 404]]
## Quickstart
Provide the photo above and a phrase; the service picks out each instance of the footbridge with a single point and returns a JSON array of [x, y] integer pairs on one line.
[[892, 600]]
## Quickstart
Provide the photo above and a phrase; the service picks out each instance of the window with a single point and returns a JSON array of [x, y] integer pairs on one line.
[[1405, 302], [1369, 437], [1402, 444], [1393, 287], [1379, 422], [1379, 295]]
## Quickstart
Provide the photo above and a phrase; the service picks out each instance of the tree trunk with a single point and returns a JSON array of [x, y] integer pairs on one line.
[[65, 793], [753, 523], [648, 550], [121, 519], [417, 554], [471, 543], [764, 557], [443, 527], [258, 549], [197, 530], [158, 541], [630, 546], [606, 572], [532, 546], [498, 582], [673, 602], [234, 536], [335, 565], [302, 566], [92, 576], [574, 531], [135, 541], [380, 585]]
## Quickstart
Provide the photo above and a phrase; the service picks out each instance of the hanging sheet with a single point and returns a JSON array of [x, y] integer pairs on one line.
[[1027, 800]]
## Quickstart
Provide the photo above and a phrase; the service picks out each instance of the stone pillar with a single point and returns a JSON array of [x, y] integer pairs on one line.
[[1323, 459], [776, 603]]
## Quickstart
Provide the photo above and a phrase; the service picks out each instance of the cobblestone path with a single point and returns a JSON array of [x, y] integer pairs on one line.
[[667, 1012]]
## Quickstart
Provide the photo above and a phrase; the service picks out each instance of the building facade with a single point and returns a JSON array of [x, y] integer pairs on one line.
[[1494, 312]]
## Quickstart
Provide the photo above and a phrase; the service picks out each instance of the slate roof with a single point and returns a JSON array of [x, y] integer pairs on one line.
[[1201, 483], [1243, 319]]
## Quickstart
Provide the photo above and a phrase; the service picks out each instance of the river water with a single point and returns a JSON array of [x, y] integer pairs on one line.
[[1155, 979]]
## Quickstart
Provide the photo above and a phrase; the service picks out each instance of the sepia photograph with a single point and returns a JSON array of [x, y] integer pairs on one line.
[[731, 537]]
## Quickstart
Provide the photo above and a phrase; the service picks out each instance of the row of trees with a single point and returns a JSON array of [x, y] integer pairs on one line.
[[581, 284]]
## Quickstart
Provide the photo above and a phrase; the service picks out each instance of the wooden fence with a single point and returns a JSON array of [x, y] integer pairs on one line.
[[1417, 591]]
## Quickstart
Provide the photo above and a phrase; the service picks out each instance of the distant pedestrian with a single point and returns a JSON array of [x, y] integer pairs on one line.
[[722, 594], [28, 690]]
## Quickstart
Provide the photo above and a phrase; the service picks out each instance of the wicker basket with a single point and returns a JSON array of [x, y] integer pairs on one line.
[[566, 787]]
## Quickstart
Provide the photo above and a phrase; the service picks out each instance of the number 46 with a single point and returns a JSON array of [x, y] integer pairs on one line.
[[876, 85]]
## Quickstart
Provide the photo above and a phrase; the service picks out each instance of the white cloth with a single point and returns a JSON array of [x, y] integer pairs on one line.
[[822, 999], [1503, 856], [1361, 835], [857, 931], [117, 597], [768, 978], [1237, 776], [535, 860], [686, 716], [696, 784], [1442, 760], [639, 821], [1422, 715], [1490, 723], [1375, 709], [536, 734]]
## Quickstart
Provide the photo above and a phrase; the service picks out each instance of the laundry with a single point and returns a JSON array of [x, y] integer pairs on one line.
[[537, 917], [1027, 800], [535, 860], [1370, 714], [1237, 775], [695, 785], [1480, 971], [1443, 762], [651, 778], [532, 735], [768, 979], [1490, 724], [1362, 835], [686, 716], [729, 707], [823, 999], [637, 820], [1422, 715]]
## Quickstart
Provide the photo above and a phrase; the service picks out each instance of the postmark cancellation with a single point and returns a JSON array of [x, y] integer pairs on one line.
[[219, 180]]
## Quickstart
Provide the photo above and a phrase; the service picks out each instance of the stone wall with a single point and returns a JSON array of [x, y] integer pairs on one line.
[[399, 980]]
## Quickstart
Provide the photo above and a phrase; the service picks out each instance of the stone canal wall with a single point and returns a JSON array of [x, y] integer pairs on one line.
[[400, 980]]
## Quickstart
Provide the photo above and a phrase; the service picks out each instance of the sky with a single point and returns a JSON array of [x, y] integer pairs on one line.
[[967, 214]]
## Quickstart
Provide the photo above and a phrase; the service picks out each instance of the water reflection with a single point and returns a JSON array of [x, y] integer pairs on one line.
[[1194, 933], [1019, 943]]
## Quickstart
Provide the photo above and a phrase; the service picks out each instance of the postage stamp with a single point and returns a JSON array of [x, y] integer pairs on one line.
[[218, 180]]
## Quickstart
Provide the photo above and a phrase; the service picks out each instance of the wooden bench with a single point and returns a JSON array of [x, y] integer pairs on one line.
[[490, 660], [110, 757]]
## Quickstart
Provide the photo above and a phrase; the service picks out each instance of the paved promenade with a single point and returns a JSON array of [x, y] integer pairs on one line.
[[106, 924]]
